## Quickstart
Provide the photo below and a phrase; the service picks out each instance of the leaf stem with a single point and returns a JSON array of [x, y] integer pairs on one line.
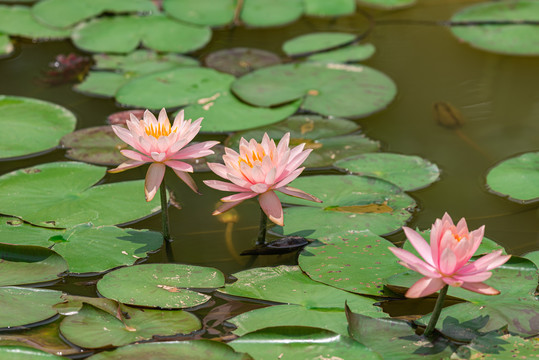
[[164, 211], [262, 228], [436, 312]]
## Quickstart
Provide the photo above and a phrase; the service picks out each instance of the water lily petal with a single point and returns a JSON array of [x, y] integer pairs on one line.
[[154, 176], [425, 286], [239, 197], [179, 165], [414, 263], [225, 207], [289, 190], [223, 186], [136, 156], [129, 164], [187, 179], [219, 169], [448, 261], [480, 288], [196, 151], [294, 174], [271, 205], [477, 277], [419, 244]]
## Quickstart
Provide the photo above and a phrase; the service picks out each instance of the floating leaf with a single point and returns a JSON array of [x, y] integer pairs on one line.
[[406, 171], [352, 53], [223, 112], [26, 264], [358, 263], [101, 83], [142, 62], [517, 178], [329, 8], [240, 61], [6, 47], [289, 285], [516, 39], [22, 306], [61, 195], [327, 151], [301, 343], [123, 34], [18, 21], [533, 256], [316, 42], [327, 89], [202, 12], [188, 350], [17, 232], [93, 328], [336, 192], [72, 12], [404, 343], [502, 347], [25, 353], [34, 125], [173, 88], [387, 4], [160, 285], [265, 13]]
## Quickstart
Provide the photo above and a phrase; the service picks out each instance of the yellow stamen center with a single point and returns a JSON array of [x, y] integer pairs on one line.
[[158, 131], [457, 237], [256, 156]]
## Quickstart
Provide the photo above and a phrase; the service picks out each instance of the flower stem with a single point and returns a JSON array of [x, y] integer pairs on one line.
[[436, 312], [262, 229], [164, 211]]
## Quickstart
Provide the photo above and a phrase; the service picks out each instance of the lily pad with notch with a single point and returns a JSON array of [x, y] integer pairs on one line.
[[160, 285], [61, 195], [35, 126], [326, 88]]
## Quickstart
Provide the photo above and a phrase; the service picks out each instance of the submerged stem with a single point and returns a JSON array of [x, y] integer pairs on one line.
[[164, 211], [436, 312], [262, 229]]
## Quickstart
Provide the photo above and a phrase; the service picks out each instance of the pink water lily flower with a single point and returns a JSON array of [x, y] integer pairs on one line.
[[260, 170], [446, 259], [162, 145]]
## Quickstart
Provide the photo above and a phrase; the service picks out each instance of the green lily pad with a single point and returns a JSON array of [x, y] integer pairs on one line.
[[352, 53], [61, 195], [34, 125], [350, 204], [188, 350], [160, 285], [240, 61], [203, 12], [6, 47], [173, 88], [502, 347], [123, 34], [17, 232], [223, 112], [302, 128], [18, 21], [22, 306], [264, 13], [406, 171], [517, 178], [25, 353], [316, 42], [93, 328], [292, 315], [97, 145], [328, 89], [387, 4], [289, 285], [301, 343], [358, 263], [102, 83], [105, 247], [327, 151], [395, 339], [27, 264], [518, 39], [47, 11], [142, 62], [329, 8], [533, 256]]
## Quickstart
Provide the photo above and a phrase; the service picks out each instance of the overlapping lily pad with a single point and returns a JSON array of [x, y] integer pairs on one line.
[[265, 13], [516, 178], [301, 343], [102, 83], [18, 21], [516, 39], [327, 88], [316, 42], [17, 232], [406, 171], [160, 285], [72, 12], [203, 12], [329, 8], [289, 285], [97, 145], [93, 328], [6, 47], [142, 62], [191, 350], [357, 263], [27, 264], [350, 204], [352, 53], [123, 34], [223, 112], [387, 4], [61, 195], [173, 88], [22, 306], [240, 61], [25, 353], [34, 125]]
